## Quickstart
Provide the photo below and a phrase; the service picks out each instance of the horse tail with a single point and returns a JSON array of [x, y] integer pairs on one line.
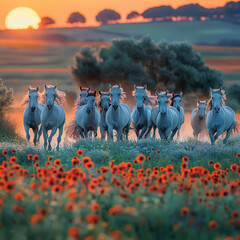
[[72, 130], [236, 128]]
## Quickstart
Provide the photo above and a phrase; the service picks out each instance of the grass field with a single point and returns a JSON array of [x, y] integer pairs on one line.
[[174, 192]]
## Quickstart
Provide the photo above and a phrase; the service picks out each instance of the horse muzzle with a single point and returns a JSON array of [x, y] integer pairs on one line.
[[115, 107], [139, 108], [88, 111], [216, 109], [49, 107], [33, 109], [105, 109], [163, 114]]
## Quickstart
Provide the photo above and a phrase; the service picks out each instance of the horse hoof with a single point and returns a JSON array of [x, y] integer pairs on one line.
[[49, 148], [57, 148], [224, 141]]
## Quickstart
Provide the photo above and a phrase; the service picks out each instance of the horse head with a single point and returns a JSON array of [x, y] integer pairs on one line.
[[216, 99], [105, 100], [163, 101], [176, 100], [83, 95], [202, 108], [50, 94], [33, 98], [140, 93], [91, 98], [115, 92]]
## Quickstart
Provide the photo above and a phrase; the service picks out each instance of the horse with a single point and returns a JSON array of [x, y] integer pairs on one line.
[[167, 119], [198, 118], [82, 99], [32, 113], [53, 115], [141, 113], [87, 116], [104, 105], [118, 116], [220, 118], [175, 101]]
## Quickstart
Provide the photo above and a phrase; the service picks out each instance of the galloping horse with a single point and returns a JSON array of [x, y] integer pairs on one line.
[[141, 114], [118, 116], [167, 117], [87, 116], [53, 115], [198, 118], [220, 118], [104, 104], [82, 99], [176, 100], [32, 113]]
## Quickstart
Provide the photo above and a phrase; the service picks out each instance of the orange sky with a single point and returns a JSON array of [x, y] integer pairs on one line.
[[60, 9]]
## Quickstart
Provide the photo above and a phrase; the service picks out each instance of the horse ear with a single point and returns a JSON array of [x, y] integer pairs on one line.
[[145, 86], [80, 88], [29, 89], [119, 85], [135, 87], [37, 89], [55, 87], [100, 92], [95, 93], [157, 93], [45, 86], [110, 86], [198, 101], [89, 88], [211, 90]]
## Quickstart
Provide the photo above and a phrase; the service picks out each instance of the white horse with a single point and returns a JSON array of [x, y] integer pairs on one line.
[[167, 117], [118, 116], [87, 116], [82, 99], [32, 113], [141, 114], [53, 115], [176, 100], [220, 118], [198, 118], [104, 105]]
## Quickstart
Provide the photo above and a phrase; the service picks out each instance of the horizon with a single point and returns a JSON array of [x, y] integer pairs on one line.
[[61, 14]]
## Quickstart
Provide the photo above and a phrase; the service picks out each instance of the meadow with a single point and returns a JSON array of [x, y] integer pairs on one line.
[[95, 189]]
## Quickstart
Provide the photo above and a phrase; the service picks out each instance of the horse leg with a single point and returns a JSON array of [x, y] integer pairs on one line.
[[148, 131], [59, 136], [229, 131], [35, 131], [173, 133], [45, 137], [127, 131], [54, 130], [144, 129], [211, 135], [80, 131], [161, 134], [39, 133], [178, 134], [102, 130], [119, 134], [219, 132], [136, 132], [85, 133], [26, 127], [110, 131]]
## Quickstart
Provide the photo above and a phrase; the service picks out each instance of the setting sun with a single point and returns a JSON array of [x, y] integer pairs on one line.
[[22, 18]]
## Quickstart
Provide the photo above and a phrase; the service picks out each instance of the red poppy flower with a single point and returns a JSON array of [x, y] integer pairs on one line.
[[57, 162], [141, 158], [79, 152]]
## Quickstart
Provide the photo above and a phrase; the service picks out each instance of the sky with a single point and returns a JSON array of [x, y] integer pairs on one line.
[[61, 9]]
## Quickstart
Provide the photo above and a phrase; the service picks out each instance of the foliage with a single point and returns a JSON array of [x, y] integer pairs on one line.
[[152, 189], [132, 15], [107, 15], [6, 98], [76, 17], [173, 66], [233, 93], [45, 21]]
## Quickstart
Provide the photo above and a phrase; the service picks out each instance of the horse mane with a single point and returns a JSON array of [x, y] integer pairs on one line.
[[148, 98], [60, 96], [25, 99], [172, 98], [223, 99], [99, 104], [122, 93]]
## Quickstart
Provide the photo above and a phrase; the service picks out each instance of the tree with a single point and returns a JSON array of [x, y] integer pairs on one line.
[[6, 98], [76, 17], [158, 12], [133, 14], [232, 9], [45, 21], [191, 10], [107, 15], [161, 66]]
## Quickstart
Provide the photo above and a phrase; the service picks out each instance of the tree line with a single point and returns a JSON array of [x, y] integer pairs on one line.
[[190, 11]]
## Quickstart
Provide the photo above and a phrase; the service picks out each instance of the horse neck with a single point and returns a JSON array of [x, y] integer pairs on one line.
[[116, 112]]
